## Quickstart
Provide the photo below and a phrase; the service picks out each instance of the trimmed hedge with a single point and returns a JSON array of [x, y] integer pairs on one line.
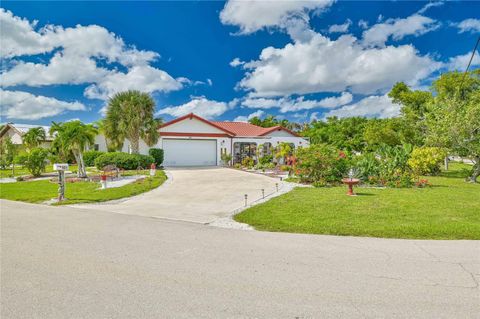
[[90, 156], [157, 154], [124, 160]]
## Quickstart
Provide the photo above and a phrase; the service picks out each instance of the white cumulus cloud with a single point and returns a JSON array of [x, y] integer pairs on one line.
[[397, 29], [254, 15], [293, 105], [378, 106], [79, 55], [468, 25], [340, 28], [324, 65], [26, 106], [250, 116], [460, 62], [200, 106]]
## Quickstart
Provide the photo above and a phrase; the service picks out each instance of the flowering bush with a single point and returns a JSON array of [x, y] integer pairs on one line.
[[426, 160], [248, 162], [321, 164]]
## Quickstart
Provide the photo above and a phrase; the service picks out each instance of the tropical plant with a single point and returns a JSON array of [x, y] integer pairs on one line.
[[157, 154], [74, 137], [130, 115], [321, 164], [426, 160], [36, 161], [34, 137], [8, 151], [124, 160], [283, 150], [226, 158]]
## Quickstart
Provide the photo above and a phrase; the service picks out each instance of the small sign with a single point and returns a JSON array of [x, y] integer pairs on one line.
[[60, 167]]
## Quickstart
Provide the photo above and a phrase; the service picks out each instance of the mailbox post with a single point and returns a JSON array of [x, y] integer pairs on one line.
[[61, 168]]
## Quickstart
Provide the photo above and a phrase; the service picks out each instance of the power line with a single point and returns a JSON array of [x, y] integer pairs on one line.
[[470, 62]]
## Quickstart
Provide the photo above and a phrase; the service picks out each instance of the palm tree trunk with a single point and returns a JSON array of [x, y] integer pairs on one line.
[[81, 166], [134, 144], [81, 172]]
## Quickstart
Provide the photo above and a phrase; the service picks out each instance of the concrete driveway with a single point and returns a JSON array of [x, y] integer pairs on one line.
[[199, 195], [59, 262]]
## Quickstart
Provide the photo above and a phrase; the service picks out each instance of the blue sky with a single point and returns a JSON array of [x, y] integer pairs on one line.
[[226, 60]]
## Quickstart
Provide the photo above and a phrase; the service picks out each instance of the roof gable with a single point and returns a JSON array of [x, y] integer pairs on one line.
[[230, 128], [192, 123]]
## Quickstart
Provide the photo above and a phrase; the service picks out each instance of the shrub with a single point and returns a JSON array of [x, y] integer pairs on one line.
[[266, 159], [321, 164], [226, 158], [21, 159], [426, 160], [124, 160], [248, 162], [90, 156], [36, 161], [157, 154]]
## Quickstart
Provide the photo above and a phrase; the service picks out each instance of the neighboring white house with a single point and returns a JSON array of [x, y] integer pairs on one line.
[[191, 140], [16, 131]]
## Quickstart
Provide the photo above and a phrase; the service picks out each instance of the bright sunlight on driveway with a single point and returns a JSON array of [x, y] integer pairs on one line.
[[199, 195]]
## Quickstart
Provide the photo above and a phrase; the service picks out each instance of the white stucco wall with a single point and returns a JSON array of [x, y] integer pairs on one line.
[[192, 125]]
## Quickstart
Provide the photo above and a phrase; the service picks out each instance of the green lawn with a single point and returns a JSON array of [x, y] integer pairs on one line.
[[448, 210], [20, 171], [79, 192]]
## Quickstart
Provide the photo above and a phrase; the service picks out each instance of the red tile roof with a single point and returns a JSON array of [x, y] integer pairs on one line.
[[235, 128], [242, 128]]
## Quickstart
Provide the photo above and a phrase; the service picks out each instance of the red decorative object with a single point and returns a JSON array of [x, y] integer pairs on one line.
[[103, 178], [350, 182]]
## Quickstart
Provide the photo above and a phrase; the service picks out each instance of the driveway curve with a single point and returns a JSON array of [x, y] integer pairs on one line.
[[200, 195]]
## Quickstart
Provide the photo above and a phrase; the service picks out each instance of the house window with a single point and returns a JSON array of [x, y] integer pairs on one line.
[[244, 149], [267, 149], [96, 147]]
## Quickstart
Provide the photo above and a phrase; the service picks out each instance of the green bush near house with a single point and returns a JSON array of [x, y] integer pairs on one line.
[[124, 160], [90, 156], [157, 154], [36, 161]]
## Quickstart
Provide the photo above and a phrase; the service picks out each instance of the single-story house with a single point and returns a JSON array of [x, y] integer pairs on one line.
[[191, 140], [16, 132]]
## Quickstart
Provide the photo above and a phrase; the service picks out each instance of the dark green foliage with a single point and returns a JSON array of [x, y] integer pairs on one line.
[[90, 156], [124, 160], [157, 154]]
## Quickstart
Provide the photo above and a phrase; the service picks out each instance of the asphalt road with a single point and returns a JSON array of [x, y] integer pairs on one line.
[[60, 262]]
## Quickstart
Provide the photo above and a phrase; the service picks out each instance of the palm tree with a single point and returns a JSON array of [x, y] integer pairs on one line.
[[130, 115], [74, 136], [34, 137]]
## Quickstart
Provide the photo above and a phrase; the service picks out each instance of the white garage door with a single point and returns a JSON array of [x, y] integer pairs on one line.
[[179, 152]]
